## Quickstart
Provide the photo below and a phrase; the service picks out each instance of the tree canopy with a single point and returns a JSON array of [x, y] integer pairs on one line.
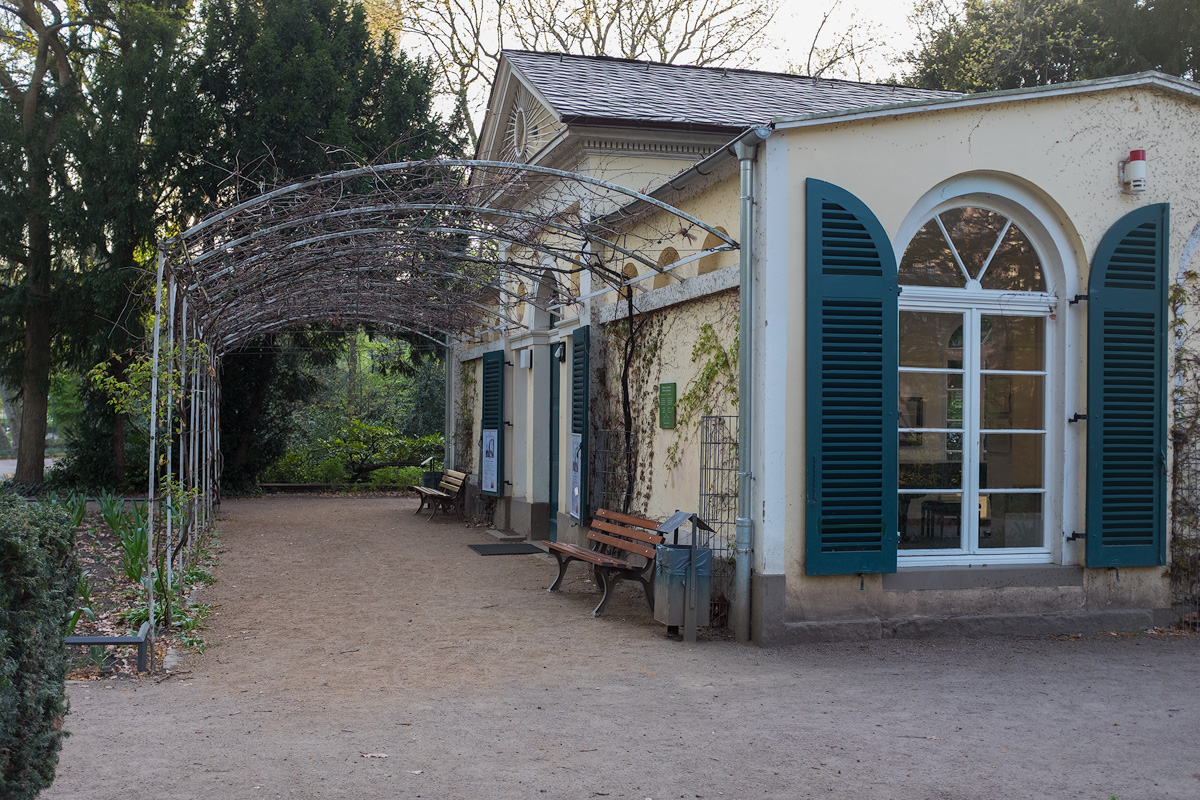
[[1006, 44], [122, 119]]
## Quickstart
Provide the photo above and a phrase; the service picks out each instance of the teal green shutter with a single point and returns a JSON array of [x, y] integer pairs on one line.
[[1127, 394], [852, 391], [492, 416], [580, 396]]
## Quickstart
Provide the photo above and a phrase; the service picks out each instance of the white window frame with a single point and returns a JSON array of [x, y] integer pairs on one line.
[[1061, 452]]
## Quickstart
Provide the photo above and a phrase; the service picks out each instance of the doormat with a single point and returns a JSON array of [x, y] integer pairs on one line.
[[506, 549]]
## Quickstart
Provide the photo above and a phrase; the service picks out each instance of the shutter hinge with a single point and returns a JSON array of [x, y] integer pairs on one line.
[[1077, 298], [508, 364], [1077, 417], [1073, 536], [509, 424]]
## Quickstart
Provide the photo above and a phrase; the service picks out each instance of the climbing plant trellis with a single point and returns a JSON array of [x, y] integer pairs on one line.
[[433, 248]]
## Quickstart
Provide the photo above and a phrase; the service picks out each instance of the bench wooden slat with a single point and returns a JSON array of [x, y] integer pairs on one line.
[[628, 533], [613, 531], [645, 551], [590, 556], [627, 519], [451, 492]]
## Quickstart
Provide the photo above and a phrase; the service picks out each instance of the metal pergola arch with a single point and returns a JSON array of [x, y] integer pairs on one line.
[[426, 247]]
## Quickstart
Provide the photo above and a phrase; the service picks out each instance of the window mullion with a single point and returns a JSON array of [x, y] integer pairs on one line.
[[972, 422]]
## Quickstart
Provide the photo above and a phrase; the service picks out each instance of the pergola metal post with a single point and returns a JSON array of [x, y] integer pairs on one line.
[[170, 433], [150, 501]]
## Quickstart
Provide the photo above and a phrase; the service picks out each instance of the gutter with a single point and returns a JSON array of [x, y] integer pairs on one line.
[[746, 149]]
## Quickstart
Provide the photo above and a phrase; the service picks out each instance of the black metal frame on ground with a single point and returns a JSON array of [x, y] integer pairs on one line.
[[718, 502]]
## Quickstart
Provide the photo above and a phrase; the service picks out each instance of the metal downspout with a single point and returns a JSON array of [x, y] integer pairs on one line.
[[747, 150]]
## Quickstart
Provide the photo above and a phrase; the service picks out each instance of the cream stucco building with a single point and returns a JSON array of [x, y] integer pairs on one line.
[[951, 313]]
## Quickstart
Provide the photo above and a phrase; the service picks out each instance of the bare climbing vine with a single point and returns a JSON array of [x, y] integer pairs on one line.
[[716, 381], [1185, 437], [628, 378], [464, 428]]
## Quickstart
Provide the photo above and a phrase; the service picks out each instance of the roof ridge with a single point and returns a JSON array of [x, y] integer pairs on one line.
[[740, 70]]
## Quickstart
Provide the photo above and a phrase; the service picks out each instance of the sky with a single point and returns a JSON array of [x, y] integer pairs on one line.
[[797, 21]]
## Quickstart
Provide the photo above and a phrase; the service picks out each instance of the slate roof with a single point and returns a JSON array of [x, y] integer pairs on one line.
[[604, 90]]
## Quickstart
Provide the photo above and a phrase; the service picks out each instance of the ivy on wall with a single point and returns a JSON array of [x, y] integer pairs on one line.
[[711, 386], [464, 426], [1185, 439]]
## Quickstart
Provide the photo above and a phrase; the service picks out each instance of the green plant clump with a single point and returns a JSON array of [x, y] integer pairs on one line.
[[39, 575]]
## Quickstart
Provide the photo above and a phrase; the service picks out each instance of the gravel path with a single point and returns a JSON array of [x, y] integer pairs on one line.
[[347, 629]]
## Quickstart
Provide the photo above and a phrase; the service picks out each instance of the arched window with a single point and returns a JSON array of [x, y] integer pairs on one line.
[[628, 273], [518, 301], [713, 262], [544, 297], [974, 323], [666, 258]]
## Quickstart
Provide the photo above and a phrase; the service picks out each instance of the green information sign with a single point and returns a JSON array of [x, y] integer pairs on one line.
[[666, 405]]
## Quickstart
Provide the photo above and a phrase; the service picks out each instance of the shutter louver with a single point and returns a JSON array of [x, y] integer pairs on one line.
[[491, 418], [1127, 386], [580, 396], [851, 387]]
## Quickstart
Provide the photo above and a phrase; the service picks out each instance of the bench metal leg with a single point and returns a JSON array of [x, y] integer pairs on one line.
[[607, 581], [648, 588], [141, 662], [562, 571]]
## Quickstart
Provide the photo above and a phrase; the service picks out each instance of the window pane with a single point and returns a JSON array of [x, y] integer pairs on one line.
[[1011, 342], [1011, 520], [925, 339], [928, 261], [930, 400], [1015, 267], [927, 470], [973, 232], [930, 521], [1011, 461], [1012, 401]]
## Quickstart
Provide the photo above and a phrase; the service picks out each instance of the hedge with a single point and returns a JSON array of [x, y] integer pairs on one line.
[[38, 576]]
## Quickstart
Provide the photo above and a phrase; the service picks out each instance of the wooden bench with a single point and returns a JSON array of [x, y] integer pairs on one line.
[[108, 641], [622, 548], [449, 496]]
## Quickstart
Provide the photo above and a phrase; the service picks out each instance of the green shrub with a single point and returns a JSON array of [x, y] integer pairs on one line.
[[402, 477], [38, 578], [331, 470]]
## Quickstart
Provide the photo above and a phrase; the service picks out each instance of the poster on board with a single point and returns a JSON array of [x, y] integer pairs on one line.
[[487, 475], [576, 473]]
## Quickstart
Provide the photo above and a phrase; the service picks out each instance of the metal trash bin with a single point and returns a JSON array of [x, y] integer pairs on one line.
[[430, 479], [671, 564]]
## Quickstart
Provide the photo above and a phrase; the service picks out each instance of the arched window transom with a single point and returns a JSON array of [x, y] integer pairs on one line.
[[972, 245]]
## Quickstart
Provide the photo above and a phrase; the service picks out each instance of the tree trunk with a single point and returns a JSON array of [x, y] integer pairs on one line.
[[35, 377]]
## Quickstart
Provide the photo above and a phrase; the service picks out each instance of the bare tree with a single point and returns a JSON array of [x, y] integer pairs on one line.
[[840, 51]]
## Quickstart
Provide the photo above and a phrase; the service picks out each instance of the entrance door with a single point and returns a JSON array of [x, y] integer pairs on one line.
[[555, 384]]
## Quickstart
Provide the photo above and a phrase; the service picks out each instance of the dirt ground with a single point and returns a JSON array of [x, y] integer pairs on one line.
[[347, 630]]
